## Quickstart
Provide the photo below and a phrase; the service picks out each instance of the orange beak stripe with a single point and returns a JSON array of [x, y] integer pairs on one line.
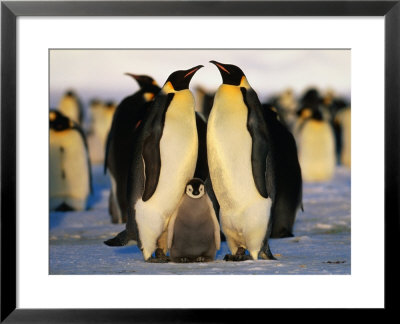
[[222, 68], [190, 72]]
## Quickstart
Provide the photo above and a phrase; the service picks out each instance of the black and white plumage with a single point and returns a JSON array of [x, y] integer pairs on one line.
[[240, 165], [163, 162]]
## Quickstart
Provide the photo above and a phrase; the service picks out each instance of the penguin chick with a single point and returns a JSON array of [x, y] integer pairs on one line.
[[193, 231]]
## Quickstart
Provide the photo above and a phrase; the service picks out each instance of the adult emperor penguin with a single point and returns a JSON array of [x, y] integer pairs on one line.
[[121, 140], [163, 162], [288, 181], [71, 106], [193, 230], [240, 165], [69, 171]]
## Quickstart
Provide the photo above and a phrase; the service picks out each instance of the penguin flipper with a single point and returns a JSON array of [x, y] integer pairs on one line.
[[151, 146], [258, 131], [120, 240]]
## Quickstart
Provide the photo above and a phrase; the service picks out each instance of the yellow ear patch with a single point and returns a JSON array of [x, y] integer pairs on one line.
[[154, 83], [52, 115], [168, 87], [306, 113], [148, 96]]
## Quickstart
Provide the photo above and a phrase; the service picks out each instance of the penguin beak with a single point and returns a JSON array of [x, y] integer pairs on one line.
[[220, 67], [192, 71], [135, 76]]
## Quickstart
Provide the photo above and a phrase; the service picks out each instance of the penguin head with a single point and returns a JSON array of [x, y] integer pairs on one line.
[[195, 188], [110, 105], [179, 80], [231, 74], [145, 82], [58, 121], [95, 104]]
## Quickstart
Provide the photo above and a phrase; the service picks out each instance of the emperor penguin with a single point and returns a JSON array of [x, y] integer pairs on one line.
[[121, 140], [316, 147], [69, 172], [71, 106], [240, 166], [288, 180], [164, 160], [193, 230], [101, 115]]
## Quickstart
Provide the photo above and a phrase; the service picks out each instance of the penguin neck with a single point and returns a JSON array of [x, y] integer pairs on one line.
[[244, 83], [168, 88]]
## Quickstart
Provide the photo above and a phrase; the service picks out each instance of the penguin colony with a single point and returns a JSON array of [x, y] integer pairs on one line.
[[187, 174]]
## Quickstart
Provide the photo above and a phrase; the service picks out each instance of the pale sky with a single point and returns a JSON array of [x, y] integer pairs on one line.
[[100, 73]]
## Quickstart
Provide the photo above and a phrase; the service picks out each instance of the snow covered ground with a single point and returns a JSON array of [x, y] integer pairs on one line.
[[321, 245]]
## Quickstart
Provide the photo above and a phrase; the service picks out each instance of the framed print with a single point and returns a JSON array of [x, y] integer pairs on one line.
[[55, 266]]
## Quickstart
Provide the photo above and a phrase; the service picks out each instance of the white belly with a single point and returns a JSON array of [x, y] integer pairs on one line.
[[178, 152], [229, 147], [244, 213]]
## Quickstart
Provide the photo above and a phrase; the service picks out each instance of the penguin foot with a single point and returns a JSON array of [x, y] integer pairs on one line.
[[64, 208], [266, 255], [160, 257], [239, 256], [120, 240], [203, 259], [230, 257]]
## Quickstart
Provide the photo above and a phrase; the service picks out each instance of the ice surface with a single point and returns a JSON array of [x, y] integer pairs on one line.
[[321, 245]]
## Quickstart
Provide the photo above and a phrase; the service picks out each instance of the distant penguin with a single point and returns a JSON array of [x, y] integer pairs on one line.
[[240, 165], [287, 174], [163, 162], [101, 115], [69, 171], [193, 230], [121, 140], [316, 146], [312, 100], [343, 120], [286, 105], [71, 106]]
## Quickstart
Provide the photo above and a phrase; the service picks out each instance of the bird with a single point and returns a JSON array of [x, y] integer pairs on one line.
[[128, 116], [163, 162]]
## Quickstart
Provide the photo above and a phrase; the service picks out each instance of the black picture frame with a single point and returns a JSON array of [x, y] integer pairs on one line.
[[10, 10]]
